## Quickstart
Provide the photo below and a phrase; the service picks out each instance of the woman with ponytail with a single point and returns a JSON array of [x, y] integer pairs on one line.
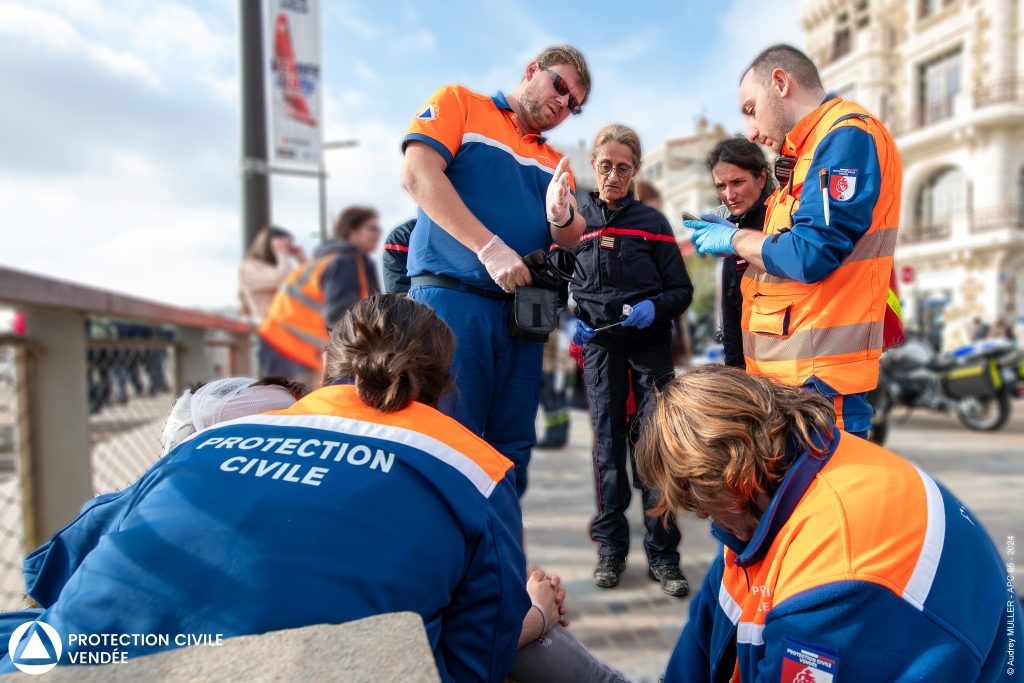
[[359, 499]]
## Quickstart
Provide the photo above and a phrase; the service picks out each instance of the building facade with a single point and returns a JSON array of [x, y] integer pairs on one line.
[[947, 78], [678, 168]]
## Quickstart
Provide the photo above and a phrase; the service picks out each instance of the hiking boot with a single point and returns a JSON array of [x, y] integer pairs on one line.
[[606, 574], [671, 577]]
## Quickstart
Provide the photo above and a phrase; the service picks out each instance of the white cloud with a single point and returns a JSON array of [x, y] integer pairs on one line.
[[34, 29]]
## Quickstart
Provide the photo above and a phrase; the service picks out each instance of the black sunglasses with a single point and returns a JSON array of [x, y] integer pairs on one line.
[[562, 88]]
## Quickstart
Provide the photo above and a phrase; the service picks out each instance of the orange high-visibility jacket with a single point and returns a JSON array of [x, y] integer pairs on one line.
[[830, 329], [295, 325]]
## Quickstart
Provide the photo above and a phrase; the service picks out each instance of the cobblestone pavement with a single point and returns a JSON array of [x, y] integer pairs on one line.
[[634, 626]]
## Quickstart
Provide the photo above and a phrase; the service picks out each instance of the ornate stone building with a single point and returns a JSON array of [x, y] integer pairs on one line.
[[678, 169], [947, 77]]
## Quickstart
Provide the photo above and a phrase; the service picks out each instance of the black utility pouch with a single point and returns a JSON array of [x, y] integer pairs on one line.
[[535, 309], [534, 313]]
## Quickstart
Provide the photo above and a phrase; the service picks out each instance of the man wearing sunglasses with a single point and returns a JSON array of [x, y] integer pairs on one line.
[[491, 190]]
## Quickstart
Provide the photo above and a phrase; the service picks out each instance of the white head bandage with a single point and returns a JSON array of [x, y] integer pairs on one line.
[[219, 401]]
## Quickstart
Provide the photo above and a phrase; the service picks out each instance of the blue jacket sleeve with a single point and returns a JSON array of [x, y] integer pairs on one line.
[[340, 284], [481, 625], [811, 250], [862, 626], [691, 659]]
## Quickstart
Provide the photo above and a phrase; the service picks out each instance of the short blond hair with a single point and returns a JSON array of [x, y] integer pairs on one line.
[[720, 436], [567, 54]]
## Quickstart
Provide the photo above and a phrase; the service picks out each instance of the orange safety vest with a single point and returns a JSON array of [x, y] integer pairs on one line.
[[832, 329], [295, 325]]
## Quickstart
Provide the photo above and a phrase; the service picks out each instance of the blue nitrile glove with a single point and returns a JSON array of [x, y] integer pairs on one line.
[[712, 235], [582, 333], [641, 316]]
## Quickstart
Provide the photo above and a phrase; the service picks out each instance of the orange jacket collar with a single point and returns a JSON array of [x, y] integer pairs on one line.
[[798, 136]]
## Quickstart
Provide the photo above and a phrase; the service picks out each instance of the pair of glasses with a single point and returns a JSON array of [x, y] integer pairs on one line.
[[562, 88], [622, 170]]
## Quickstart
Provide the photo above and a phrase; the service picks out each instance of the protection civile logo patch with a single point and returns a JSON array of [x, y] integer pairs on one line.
[[842, 183], [803, 663]]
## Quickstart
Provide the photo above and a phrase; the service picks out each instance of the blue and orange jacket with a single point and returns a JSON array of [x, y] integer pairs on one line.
[[818, 308], [864, 568], [500, 174], [323, 513]]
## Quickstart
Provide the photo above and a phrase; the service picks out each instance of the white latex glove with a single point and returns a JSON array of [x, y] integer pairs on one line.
[[504, 265], [557, 203]]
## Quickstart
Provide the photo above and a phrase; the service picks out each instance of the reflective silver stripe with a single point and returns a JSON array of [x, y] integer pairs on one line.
[[758, 275], [920, 584], [728, 604], [295, 293], [874, 245], [749, 633], [880, 243], [307, 273], [304, 337], [814, 343]]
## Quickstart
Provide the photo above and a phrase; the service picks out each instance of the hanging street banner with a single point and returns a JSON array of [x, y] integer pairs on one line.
[[295, 82]]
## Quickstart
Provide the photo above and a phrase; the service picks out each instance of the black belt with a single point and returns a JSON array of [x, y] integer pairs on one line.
[[431, 280]]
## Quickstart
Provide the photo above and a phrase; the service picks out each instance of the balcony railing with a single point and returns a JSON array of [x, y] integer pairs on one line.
[[998, 218], [990, 93], [987, 219], [999, 91], [926, 232]]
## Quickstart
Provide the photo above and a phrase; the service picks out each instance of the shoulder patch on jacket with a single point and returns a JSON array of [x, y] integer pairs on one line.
[[842, 183], [803, 663]]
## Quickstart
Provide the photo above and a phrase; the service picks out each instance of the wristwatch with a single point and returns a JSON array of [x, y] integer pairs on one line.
[[568, 221]]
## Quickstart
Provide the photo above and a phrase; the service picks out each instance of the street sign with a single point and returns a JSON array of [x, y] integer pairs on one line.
[[907, 275]]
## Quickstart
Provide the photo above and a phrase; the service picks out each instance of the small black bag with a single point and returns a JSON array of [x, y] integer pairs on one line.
[[535, 309], [534, 313]]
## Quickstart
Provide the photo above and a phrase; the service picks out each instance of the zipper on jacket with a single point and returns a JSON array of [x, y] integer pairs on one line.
[[607, 222]]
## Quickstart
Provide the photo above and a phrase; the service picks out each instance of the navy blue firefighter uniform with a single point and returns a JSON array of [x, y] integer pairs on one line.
[[627, 256]]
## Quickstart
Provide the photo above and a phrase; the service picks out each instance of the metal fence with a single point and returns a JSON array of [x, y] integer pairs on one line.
[[84, 392], [13, 519], [131, 391]]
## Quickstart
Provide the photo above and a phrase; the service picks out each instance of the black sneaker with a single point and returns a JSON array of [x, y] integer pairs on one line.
[[606, 574], [672, 579]]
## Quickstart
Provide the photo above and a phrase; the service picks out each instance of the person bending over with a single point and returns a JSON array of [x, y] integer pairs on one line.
[[841, 560]]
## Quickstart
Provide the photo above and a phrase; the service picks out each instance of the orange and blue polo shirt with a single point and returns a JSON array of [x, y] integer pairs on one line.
[[862, 568], [500, 174]]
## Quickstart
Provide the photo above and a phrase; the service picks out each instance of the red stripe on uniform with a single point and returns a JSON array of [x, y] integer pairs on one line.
[[631, 232], [396, 247]]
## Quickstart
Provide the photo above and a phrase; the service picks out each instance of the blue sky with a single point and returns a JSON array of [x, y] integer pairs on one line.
[[119, 128]]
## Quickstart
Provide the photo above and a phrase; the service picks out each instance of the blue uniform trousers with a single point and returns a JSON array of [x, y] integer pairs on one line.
[[497, 378]]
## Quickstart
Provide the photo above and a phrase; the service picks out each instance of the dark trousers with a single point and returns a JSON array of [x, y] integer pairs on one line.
[[732, 311], [607, 375]]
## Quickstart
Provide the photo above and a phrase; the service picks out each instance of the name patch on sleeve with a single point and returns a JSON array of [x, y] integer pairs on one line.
[[803, 663], [842, 183]]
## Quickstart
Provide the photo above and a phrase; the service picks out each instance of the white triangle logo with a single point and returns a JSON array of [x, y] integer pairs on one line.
[[35, 649]]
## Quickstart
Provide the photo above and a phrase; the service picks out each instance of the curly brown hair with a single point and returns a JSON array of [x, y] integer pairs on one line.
[[719, 436]]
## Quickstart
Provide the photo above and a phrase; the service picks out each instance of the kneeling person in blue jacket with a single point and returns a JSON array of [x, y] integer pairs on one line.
[[841, 561], [359, 499]]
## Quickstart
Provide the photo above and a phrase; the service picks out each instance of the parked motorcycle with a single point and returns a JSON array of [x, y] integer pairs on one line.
[[976, 382]]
